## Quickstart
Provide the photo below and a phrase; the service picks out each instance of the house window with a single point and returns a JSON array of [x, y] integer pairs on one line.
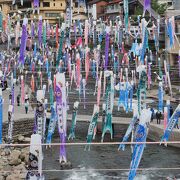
[[27, 4], [52, 14], [61, 4], [76, 4], [169, 3], [46, 4]]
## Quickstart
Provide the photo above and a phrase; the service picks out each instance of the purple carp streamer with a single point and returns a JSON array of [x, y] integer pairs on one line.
[[23, 41], [147, 5], [40, 28], [36, 3]]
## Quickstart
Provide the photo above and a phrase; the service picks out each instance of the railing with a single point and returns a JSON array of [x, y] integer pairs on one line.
[[3, 1], [109, 11]]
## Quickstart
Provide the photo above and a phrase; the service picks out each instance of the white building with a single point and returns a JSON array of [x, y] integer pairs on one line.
[[174, 11]]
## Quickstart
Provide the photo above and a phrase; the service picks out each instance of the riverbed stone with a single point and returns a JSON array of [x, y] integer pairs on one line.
[[15, 153], [22, 175], [15, 162], [66, 165], [5, 175], [20, 168], [21, 138], [2, 153], [7, 151], [24, 156], [12, 176], [6, 168], [27, 139], [2, 177], [14, 157], [1, 165]]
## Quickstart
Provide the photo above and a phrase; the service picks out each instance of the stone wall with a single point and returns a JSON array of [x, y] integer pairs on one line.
[[22, 127]]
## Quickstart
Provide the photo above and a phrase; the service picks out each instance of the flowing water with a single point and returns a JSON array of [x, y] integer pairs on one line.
[[85, 164]]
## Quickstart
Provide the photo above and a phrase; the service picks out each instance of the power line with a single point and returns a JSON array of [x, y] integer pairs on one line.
[[93, 143], [89, 169]]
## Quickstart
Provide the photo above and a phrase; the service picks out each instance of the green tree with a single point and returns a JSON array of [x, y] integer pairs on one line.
[[159, 8]]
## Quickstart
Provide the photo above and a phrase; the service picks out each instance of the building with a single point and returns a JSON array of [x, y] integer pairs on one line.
[[100, 8], [105, 9], [79, 10], [113, 9], [169, 2], [176, 4], [51, 10], [174, 52]]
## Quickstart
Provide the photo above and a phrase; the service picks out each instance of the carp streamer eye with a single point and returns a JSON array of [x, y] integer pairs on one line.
[[34, 163], [59, 94]]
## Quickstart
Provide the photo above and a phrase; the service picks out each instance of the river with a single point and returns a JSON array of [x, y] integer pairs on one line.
[[85, 164]]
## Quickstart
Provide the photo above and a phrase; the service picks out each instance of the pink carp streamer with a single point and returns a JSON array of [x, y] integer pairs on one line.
[[125, 59], [87, 63], [22, 89], [54, 83], [57, 36], [32, 83], [99, 90], [122, 48], [78, 70], [69, 65], [165, 117], [17, 33], [165, 80], [168, 77], [86, 33], [149, 76], [33, 67], [52, 31], [179, 62], [79, 42]]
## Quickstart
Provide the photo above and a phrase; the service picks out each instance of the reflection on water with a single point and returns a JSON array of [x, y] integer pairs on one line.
[[85, 175], [94, 175]]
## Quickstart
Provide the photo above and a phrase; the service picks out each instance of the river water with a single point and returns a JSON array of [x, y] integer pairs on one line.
[[85, 164]]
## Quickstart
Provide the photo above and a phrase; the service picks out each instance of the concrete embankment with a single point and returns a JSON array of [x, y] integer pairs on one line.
[[157, 131], [25, 127]]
